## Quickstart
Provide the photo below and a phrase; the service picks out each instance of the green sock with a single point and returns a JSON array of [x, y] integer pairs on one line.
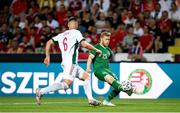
[[116, 85], [117, 89], [113, 94]]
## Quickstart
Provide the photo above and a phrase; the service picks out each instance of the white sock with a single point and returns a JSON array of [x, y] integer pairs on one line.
[[54, 87], [87, 89]]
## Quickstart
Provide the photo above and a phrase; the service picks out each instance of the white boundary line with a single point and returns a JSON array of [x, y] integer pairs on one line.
[[31, 103], [69, 102], [90, 112]]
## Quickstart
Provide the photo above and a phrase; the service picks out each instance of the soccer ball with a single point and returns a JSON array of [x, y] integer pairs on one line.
[[126, 85], [139, 88]]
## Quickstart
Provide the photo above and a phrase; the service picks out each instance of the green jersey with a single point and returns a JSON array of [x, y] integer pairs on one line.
[[103, 60]]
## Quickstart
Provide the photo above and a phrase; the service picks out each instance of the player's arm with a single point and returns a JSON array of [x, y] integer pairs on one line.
[[87, 45], [47, 48], [89, 61]]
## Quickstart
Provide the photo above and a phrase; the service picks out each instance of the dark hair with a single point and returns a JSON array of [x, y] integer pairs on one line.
[[129, 26], [135, 38], [72, 19]]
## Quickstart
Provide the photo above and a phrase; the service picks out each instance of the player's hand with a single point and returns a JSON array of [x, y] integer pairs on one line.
[[47, 61], [99, 52], [88, 70]]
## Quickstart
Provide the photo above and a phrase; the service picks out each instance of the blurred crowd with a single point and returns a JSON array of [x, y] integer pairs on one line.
[[149, 25]]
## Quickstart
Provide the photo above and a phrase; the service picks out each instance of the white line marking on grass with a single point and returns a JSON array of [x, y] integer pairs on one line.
[[70, 102], [90, 112], [31, 103]]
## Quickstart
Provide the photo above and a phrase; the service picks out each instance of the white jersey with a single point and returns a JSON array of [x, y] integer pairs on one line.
[[69, 42]]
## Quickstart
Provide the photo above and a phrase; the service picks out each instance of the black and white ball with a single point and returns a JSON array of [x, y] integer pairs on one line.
[[126, 85]]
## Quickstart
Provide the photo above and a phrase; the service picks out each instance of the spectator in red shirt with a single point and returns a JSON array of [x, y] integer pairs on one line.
[[136, 7], [117, 36], [146, 40], [149, 4], [61, 14], [165, 26]]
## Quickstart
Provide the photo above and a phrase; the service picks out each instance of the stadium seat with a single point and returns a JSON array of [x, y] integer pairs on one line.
[[174, 50], [177, 42]]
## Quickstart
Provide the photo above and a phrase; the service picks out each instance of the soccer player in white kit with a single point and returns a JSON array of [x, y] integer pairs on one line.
[[69, 42]]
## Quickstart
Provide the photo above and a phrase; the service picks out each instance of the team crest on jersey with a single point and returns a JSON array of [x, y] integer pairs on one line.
[[142, 80], [104, 56]]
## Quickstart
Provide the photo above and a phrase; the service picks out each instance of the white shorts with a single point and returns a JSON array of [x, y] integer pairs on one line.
[[72, 71]]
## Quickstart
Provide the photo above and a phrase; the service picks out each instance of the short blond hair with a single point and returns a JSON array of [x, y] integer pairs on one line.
[[105, 33]]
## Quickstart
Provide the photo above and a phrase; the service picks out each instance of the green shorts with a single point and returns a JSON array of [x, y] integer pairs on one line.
[[101, 73]]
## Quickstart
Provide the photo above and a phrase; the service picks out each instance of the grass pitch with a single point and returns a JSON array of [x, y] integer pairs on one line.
[[59, 104]]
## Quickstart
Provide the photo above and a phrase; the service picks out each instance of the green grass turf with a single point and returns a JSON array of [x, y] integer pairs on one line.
[[59, 104]]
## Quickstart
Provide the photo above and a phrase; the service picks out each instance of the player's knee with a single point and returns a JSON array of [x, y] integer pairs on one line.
[[109, 79], [85, 76], [67, 82], [65, 86]]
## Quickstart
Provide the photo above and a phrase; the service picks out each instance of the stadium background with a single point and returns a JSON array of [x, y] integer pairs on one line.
[[26, 25]]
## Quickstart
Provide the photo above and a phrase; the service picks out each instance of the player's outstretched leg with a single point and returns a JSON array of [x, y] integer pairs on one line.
[[107, 101], [117, 89], [52, 88]]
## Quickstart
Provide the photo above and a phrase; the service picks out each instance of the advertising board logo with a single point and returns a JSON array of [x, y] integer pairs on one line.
[[142, 81]]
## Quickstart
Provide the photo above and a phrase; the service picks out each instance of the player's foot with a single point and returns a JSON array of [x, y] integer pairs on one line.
[[129, 92], [94, 102], [38, 96], [108, 103]]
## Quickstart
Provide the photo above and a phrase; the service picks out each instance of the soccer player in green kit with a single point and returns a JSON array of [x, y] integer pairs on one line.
[[102, 70]]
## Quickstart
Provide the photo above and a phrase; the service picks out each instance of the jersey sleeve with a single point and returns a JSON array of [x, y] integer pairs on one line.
[[56, 38], [78, 35], [93, 52]]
